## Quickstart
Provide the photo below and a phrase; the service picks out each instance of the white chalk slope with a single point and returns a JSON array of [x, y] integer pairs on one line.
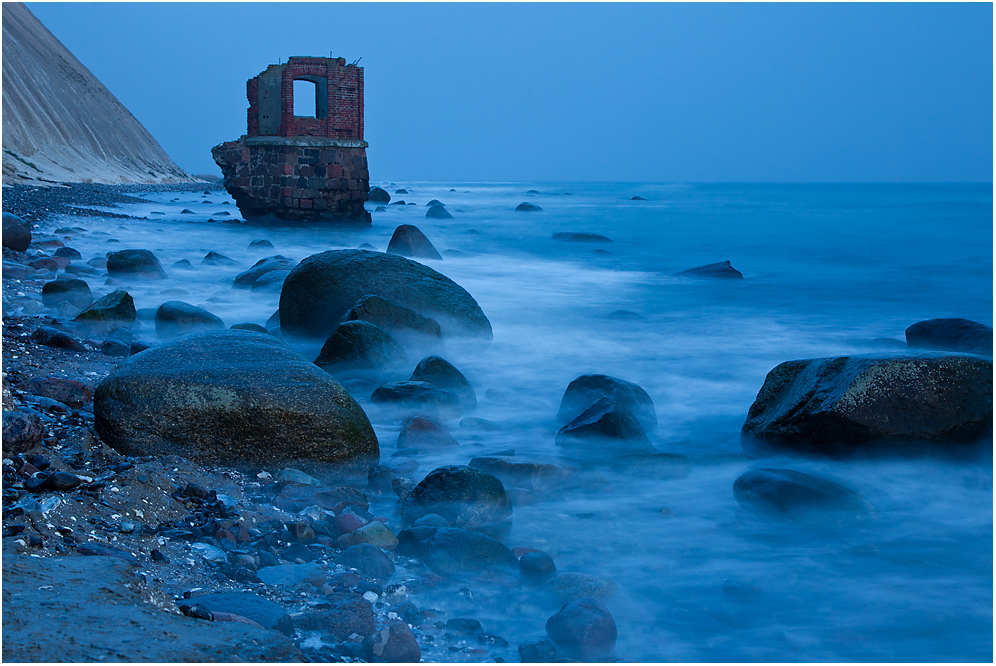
[[60, 124]]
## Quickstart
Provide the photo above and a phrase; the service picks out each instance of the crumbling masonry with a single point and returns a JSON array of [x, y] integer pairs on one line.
[[290, 168]]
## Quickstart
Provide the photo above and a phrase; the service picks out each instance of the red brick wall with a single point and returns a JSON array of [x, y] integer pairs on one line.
[[344, 119]]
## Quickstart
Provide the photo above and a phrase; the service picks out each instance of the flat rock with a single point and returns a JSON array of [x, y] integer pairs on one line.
[[234, 397], [580, 237], [878, 401], [259, 609], [112, 619], [722, 270]]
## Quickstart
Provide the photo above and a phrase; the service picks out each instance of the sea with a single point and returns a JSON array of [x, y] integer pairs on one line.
[[828, 270]]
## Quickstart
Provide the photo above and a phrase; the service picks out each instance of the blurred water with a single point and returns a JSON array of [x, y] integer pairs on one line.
[[828, 270]]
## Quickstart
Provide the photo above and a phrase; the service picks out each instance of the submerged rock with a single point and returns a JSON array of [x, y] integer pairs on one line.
[[441, 373], [421, 395], [526, 207], [958, 335], [234, 397], [409, 241], [722, 269], [791, 493], [247, 278], [580, 237], [139, 263], [323, 287], [604, 421], [368, 559], [534, 476], [572, 585], [76, 292], [438, 211], [583, 628], [878, 401], [586, 389], [455, 551], [423, 433], [217, 259], [359, 349], [379, 195], [175, 318], [464, 496]]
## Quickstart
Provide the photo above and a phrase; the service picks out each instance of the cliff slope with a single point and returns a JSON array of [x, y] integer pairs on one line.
[[60, 124]]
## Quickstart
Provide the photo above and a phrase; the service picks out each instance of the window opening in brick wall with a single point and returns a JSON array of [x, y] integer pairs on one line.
[[305, 98]]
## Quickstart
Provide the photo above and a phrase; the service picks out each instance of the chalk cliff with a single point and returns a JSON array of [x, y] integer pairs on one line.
[[60, 124]]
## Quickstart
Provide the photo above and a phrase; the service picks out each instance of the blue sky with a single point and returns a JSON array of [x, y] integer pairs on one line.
[[622, 92]]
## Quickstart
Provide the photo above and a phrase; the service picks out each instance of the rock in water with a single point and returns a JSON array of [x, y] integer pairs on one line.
[[379, 195], [959, 335], [580, 237], [787, 492], [358, 349], [115, 309], [16, 234], [175, 318], [583, 628], [905, 401], [586, 389], [722, 269], [247, 278], [234, 397], [368, 559], [438, 211], [422, 433], [409, 241], [464, 496], [455, 551], [526, 207], [76, 292], [404, 325], [140, 263], [605, 423], [441, 373], [323, 287]]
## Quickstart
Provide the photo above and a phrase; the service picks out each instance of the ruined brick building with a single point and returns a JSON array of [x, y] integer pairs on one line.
[[301, 168]]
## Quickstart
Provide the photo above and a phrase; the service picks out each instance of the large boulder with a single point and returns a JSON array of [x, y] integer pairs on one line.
[[140, 263], [958, 335], [115, 309], [358, 349], [323, 287], [722, 270], [16, 234], [379, 195], [76, 292], [586, 389], [838, 405], [247, 278], [403, 324], [409, 241], [464, 496], [175, 318], [234, 397], [795, 494], [453, 551]]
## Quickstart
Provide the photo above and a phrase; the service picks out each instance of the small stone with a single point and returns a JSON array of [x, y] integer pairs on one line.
[[584, 628], [63, 481], [368, 559], [463, 625], [538, 566], [537, 652], [395, 643]]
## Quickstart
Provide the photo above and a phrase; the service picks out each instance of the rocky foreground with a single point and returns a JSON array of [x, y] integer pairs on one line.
[[174, 490]]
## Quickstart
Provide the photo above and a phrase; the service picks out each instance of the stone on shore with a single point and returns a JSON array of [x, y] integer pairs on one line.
[[340, 615], [368, 559], [839, 405], [115, 309], [393, 644], [53, 337], [466, 497], [323, 287], [957, 335], [259, 609], [409, 241], [67, 391], [586, 389], [16, 234], [175, 318], [234, 397], [21, 431], [359, 349], [722, 270], [136, 263]]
